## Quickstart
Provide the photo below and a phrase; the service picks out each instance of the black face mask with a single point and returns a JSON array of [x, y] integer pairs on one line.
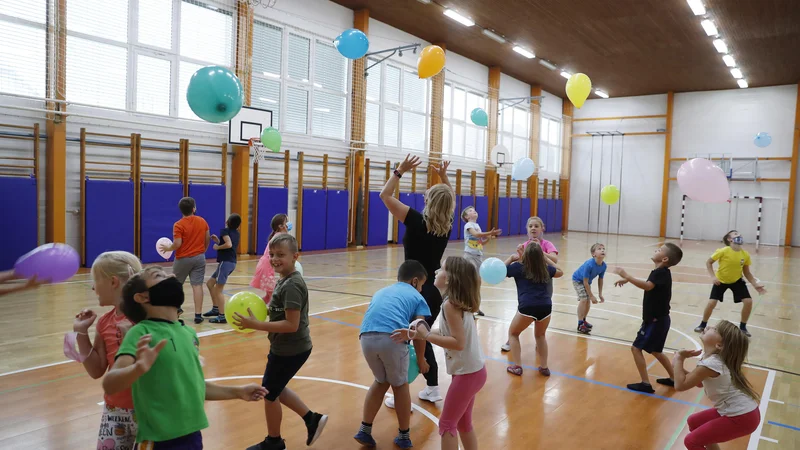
[[168, 292]]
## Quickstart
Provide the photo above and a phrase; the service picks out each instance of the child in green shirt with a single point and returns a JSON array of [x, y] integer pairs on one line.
[[166, 379]]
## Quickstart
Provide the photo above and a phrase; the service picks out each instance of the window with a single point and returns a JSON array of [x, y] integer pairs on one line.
[[330, 92], [153, 77], [267, 69], [23, 52], [373, 112], [83, 16], [461, 136], [155, 24], [296, 120], [96, 73], [515, 131], [550, 145], [206, 33], [299, 55], [187, 69]]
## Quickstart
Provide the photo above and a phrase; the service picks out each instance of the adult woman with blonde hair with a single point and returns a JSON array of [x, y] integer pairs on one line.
[[426, 238]]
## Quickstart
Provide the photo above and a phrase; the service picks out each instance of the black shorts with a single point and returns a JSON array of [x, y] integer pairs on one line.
[[536, 312], [739, 289], [279, 371], [653, 335]]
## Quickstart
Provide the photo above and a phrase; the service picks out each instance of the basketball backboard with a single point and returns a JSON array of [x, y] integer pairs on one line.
[[249, 123]]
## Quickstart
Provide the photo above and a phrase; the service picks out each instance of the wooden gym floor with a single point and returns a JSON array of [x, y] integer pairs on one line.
[[48, 403]]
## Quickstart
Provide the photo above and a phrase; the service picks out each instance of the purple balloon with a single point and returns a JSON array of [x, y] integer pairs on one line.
[[704, 181], [49, 262]]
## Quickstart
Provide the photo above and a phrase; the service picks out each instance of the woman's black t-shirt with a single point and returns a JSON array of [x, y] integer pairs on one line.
[[422, 246]]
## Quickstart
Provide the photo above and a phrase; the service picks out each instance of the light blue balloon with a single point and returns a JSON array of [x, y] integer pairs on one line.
[[215, 94], [493, 271], [413, 367], [762, 140], [479, 117], [352, 43]]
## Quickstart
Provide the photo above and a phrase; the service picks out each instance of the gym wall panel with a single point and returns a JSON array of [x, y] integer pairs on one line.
[[409, 199], [551, 215], [482, 208], [378, 221], [20, 228], [503, 215], [314, 212], [543, 212], [514, 216], [210, 200], [110, 217], [271, 201], [419, 201], [158, 213], [336, 219], [559, 218]]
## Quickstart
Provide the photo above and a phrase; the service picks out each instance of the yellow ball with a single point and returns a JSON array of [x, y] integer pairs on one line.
[[240, 302]]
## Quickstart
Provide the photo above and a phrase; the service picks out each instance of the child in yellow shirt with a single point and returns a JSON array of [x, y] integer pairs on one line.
[[734, 262]]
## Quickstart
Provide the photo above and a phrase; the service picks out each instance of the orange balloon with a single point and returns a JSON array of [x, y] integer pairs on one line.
[[431, 61]]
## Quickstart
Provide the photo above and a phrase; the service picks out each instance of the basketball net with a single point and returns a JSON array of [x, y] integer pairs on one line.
[[258, 150]]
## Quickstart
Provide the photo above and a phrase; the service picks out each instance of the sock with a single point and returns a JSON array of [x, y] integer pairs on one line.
[[307, 418], [197, 315], [703, 324], [274, 439], [580, 322], [215, 309], [743, 325], [404, 434], [366, 428]]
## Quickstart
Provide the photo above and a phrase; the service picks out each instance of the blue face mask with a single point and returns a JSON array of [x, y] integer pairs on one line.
[[288, 226], [738, 240]]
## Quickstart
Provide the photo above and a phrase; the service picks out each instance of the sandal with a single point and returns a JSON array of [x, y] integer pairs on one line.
[[544, 371], [516, 370]]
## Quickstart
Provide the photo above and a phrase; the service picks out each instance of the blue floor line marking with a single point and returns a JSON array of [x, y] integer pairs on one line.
[[783, 425]]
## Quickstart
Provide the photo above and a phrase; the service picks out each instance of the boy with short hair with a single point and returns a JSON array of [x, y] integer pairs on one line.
[[474, 238], [392, 308], [225, 245], [290, 345], [655, 315], [582, 282], [190, 239], [166, 379]]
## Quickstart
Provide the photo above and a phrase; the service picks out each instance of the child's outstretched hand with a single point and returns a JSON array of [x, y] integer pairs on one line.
[[215, 238], [401, 335], [761, 290], [252, 392], [83, 320], [602, 300], [145, 355], [593, 299], [409, 163], [620, 283], [245, 322], [441, 169]]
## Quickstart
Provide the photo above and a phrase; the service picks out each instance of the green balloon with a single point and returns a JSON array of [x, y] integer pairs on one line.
[[609, 194], [271, 138]]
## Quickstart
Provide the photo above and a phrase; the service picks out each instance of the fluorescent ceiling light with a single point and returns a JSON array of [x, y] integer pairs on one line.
[[524, 52], [729, 61], [697, 7], [737, 73], [466, 21], [742, 83], [709, 26], [322, 110], [266, 100], [494, 36], [427, 2], [720, 46], [565, 74], [547, 64], [600, 93]]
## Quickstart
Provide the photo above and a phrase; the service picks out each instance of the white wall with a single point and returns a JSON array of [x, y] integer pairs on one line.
[[552, 105], [510, 87]]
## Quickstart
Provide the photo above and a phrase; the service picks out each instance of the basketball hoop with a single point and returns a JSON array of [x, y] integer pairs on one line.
[[258, 150]]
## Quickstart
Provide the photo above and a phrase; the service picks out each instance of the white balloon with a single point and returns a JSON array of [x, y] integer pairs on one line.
[[522, 169], [159, 243]]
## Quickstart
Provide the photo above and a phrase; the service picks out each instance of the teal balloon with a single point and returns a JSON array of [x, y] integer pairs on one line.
[[479, 117], [413, 368], [271, 138], [352, 43], [493, 271], [215, 94]]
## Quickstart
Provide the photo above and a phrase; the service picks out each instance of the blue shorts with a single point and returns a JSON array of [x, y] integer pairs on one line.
[[224, 270], [652, 336], [193, 441]]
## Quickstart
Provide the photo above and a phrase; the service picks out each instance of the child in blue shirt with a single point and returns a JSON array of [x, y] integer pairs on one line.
[[582, 282]]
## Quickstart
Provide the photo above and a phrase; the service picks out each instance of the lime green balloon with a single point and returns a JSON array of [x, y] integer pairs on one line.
[[271, 138], [240, 302], [609, 194]]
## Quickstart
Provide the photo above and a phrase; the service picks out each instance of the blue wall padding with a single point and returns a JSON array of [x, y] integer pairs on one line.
[[503, 219], [419, 201], [524, 213], [271, 201], [378, 221], [551, 215], [543, 212], [19, 227], [559, 225], [337, 218], [109, 217], [314, 215], [409, 199], [210, 200], [159, 212], [482, 208], [514, 227]]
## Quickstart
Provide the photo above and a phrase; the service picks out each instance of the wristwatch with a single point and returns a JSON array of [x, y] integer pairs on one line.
[[397, 172]]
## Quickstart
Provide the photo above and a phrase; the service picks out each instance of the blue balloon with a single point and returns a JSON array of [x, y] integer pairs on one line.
[[493, 271], [215, 94], [352, 43], [413, 368], [479, 117], [762, 140]]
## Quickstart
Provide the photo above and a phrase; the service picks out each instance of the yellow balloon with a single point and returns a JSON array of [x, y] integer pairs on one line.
[[240, 302], [609, 194], [579, 86], [431, 61]]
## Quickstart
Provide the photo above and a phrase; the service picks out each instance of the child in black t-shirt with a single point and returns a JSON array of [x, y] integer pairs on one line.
[[655, 314], [225, 245]]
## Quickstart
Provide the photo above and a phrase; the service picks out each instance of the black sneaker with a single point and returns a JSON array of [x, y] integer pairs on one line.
[[666, 381], [315, 427], [219, 319], [198, 318], [213, 313], [267, 445], [642, 387]]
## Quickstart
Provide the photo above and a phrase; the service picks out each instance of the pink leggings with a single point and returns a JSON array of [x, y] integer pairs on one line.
[[457, 410], [708, 427]]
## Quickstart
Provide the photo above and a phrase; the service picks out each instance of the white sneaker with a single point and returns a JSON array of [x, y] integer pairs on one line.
[[430, 394], [389, 402], [505, 347]]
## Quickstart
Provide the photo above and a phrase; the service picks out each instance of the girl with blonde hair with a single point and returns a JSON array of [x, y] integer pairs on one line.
[[426, 237]]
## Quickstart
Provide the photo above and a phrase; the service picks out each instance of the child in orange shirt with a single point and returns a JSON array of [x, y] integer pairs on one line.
[[190, 241]]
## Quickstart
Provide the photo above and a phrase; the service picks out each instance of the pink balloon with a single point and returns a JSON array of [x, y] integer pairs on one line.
[[704, 181]]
